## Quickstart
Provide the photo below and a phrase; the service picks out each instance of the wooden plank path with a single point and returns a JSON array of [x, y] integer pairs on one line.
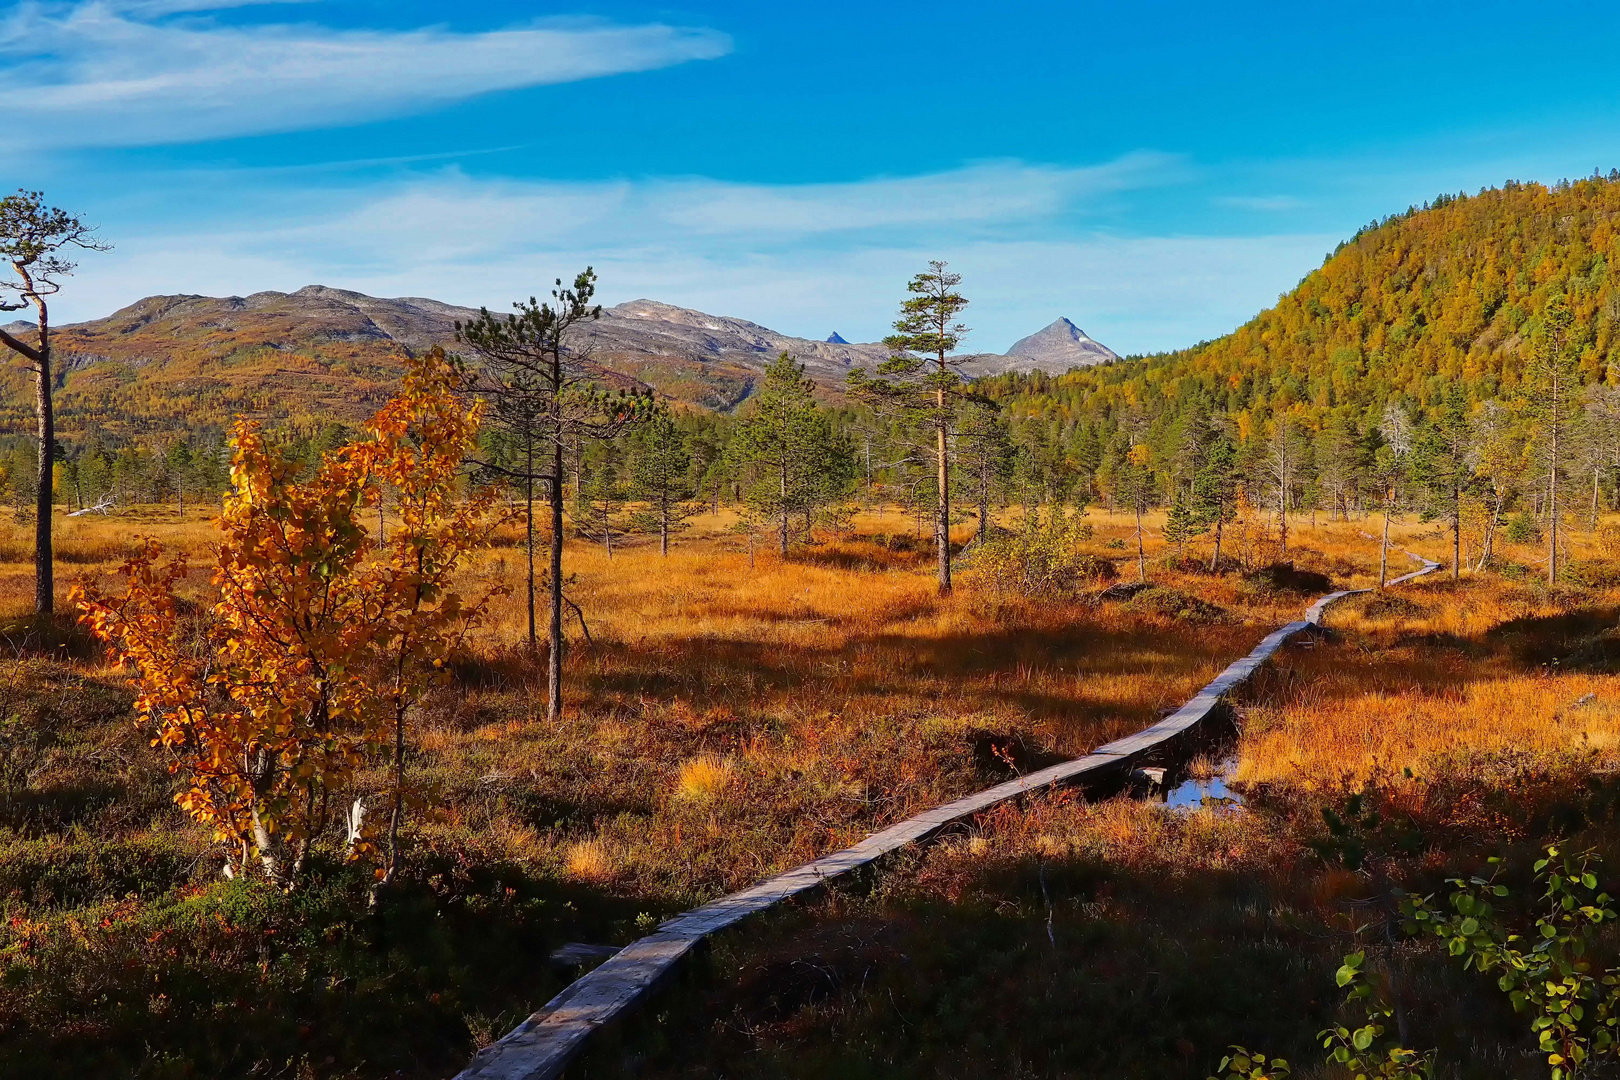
[[542, 1046]]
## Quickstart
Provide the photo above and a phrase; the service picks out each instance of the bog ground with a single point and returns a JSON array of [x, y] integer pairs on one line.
[[737, 714]]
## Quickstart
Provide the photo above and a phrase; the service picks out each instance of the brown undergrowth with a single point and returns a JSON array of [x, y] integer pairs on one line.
[[1431, 729], [733, 714]]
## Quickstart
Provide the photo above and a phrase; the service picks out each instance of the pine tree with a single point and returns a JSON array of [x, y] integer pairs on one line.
[[601, 492], [1135, 484], [545, 400], [1440, 462], [1215, 491], [1497, 458], [661, 474], [1282, 467], [1552, 383], [1600, 438], [1343, 461], [985, 459], [1391, 471], [32, 236], [796, 461], [1183, 523], [924, 384]]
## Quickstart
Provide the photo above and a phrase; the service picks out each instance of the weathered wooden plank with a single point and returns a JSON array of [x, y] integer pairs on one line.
[[543, 1045]]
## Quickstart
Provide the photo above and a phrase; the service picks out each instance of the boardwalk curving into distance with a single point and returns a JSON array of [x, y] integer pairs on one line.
[[541, 1047]]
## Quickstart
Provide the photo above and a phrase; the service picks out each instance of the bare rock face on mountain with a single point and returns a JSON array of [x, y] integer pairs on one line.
[[672, 349], [324, 352], [1057, 348]]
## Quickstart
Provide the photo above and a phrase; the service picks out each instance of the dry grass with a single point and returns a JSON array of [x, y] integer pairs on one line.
[[1445, 683], [1117, 938], [737, 713]]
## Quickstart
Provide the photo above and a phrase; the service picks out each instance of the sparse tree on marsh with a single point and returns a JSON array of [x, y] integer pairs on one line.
[[786, 442], [1281, 468], [1600, 439], [33, 237], [985, 457], [1134, 483], [1497, 458], [600, 493], [1215, 490], [661, 475], [1552, 385], [920, 381], [707, 447], [544, 395], [1441, 463], [1183, 523], [1343, 461], [1391, 471]]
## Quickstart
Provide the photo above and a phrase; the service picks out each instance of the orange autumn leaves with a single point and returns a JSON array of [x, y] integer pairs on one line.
[[323, 636]]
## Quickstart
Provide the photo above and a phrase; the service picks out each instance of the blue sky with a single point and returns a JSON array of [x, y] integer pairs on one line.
[[1157, 172]]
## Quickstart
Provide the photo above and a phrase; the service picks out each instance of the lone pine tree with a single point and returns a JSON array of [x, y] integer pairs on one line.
[[923, 383], [1552, 384], [32, 237], [544, 398], [795, 460], [661, 475]]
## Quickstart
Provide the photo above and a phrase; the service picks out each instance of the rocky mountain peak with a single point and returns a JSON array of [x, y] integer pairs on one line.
[[1062, 343]]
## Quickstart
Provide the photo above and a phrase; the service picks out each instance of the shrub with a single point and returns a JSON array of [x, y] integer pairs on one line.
[[1171, 603], [1522, 529], [324, 636], [1591, 573], [1041, 560]]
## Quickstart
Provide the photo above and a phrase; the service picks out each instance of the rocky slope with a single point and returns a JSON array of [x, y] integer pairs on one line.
[[1061, 346], [319, 352]]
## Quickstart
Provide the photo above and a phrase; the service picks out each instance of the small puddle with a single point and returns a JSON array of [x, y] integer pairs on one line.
[[1173, 783], [1192, 794]]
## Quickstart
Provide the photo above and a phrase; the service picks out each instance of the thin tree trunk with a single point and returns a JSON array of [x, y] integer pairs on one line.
[[1552, 509], [1215, 559], [534, 639], [1141, 552], [782, 533], [1282, 511], [663, 528], [1383, 553], [1456, 533], [942, 527], [984, 510], [44, 583], [554, 661], [396, 812]]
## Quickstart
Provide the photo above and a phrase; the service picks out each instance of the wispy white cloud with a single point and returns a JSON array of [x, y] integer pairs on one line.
[[836, 258], [461, 215], [105, 73]]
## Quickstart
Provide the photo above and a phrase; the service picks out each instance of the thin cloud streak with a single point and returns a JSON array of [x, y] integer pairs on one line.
[[97, 74]]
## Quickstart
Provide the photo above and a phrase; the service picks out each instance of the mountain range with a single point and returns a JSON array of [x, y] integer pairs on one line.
[[167, 361]]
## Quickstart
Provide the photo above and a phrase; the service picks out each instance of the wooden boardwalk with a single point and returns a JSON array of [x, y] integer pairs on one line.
[[543, 1045]]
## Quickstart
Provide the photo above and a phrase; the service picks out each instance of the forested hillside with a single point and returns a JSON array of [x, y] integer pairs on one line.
[[1427, 320], [1446, 293]]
